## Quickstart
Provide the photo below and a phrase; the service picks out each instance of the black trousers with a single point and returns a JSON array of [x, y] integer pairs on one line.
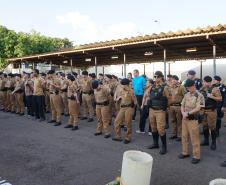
[[144, 115], [220, 115], [139, 101], [39, 106], [29, 105]]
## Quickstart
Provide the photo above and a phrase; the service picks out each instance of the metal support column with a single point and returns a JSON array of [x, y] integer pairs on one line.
[[33, 65], [124, 57], [164, 60], [153, 70], [103, 69], [71, 63], [169, 69], [122, 70], [95, 59], [201, 69], [144, 69], [214, 60]]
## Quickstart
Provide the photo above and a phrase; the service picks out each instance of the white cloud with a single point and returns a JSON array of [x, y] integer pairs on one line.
[[86, 30]]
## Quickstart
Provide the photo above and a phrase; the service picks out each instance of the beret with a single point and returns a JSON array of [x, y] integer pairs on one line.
[[218, 78], [175, 77], [207, 79], [189, 83], [191, 72], [125, 81], [85, 73]]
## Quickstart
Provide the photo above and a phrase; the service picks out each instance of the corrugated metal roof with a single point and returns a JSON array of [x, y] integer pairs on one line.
[[135, 40]]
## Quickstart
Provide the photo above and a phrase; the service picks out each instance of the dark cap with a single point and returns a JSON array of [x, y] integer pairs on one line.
[[115, 77], [191, 72], [75, 74], [207, 79], [218, 78], [100, 74], [169, 76], [125, 81], [51, 72], [108, 76], [189, 83], [95, 84], [159, 73], [85, 73], [70, 77], [43, 74], [18, 75], [93, 75], [175, 77], [11, 75]]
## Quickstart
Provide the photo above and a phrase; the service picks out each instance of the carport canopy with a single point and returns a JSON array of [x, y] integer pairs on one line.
[[190, 44]]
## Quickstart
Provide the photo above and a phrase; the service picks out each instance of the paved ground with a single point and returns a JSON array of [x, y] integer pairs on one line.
[[33, 153]]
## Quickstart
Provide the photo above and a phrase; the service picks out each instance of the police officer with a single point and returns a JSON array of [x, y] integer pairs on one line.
[[157, 112], [3, 91], [19, 94], [191, 104], [87, 96], [73, 103], [55, 98], [191, 75], [63, 93], [217, 83], [28, 90], [176, 94], [127, 101], [10, 98], [102, 97], [38, 96], [168, 84], [211, 95]]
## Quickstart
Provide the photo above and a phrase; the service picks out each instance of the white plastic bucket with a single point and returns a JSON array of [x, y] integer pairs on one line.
[[136, 168], [218, 182]]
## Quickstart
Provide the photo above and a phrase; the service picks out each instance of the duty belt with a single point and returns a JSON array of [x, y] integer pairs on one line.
[[89, 93], [4, 89], [156, 108], [71, 98], [175, 104], [209, 108], [105, 103], [56, 93], [128, 105]]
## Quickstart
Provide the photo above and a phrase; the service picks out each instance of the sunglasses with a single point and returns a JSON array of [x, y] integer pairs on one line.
[[156, 76]]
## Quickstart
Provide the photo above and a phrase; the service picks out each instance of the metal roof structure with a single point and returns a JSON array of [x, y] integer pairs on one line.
[[190, 44]]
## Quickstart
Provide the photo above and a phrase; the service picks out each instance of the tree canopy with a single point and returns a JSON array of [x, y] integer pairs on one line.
[[13, 44]]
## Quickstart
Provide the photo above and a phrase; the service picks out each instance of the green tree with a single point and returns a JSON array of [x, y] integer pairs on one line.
[[14, 44]]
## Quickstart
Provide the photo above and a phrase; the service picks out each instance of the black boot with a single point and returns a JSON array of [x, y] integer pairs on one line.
[[155, 144], [164, 148], [206, 137], [213, 144]]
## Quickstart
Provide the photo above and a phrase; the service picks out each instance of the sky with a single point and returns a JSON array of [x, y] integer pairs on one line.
[[87, 21]]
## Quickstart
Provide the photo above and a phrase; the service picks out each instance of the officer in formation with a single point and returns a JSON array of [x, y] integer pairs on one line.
[[157, 112], [191, 104]]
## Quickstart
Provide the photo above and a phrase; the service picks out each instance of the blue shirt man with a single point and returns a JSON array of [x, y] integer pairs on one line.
[[138, 83]]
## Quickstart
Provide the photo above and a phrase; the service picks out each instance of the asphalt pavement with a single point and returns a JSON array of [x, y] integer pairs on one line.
[[37, 153]]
